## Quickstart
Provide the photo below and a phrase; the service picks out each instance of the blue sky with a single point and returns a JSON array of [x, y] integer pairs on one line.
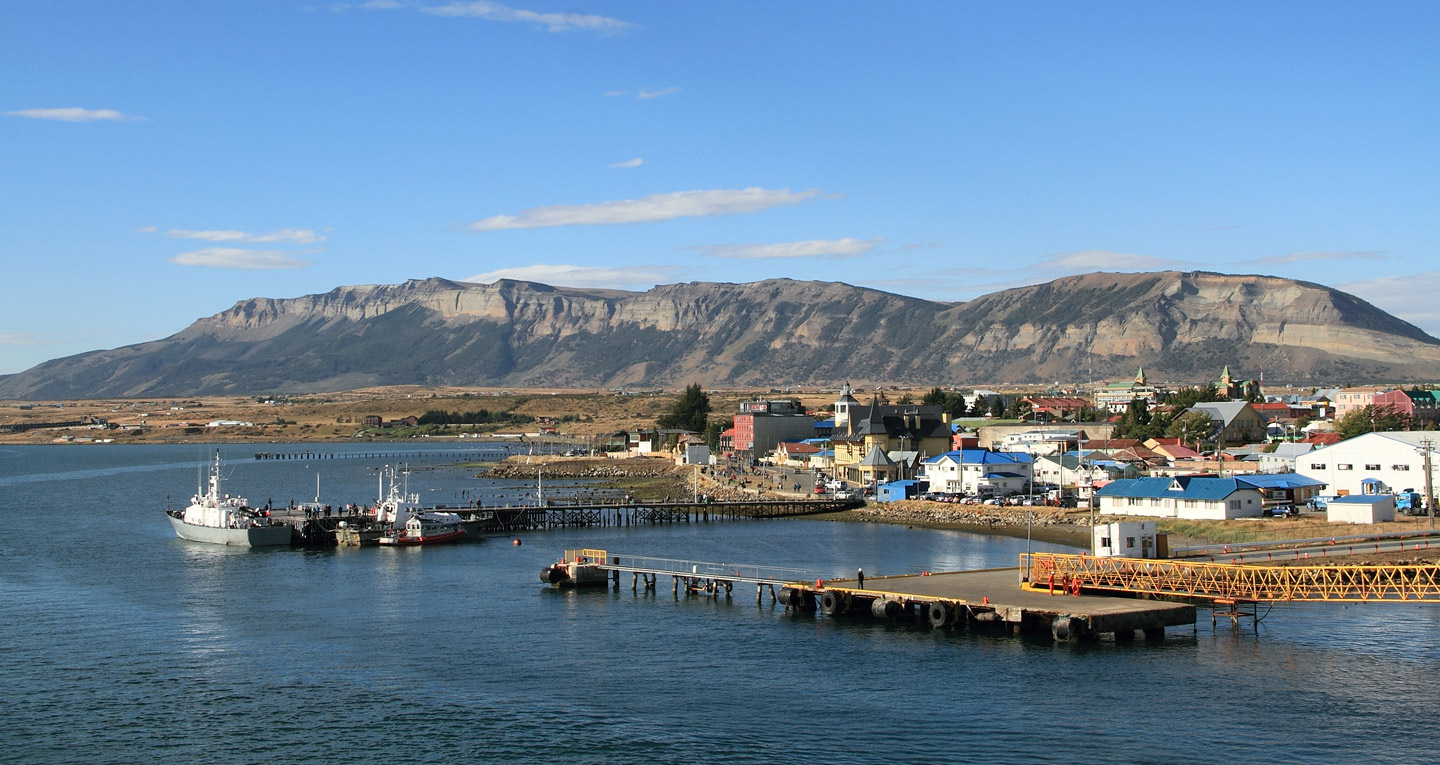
[[160, 161]]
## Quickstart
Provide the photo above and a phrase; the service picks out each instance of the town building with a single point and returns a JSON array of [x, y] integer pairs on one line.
[[1396, 461], [1234, 388], [1420, 407], [1125, 539], [1282, 460], [1190, 497], [1042, 441], [760, 426], [979, 472], [1232, 422], [1361, 508], [1054, 408], [1350, 399], [903, 433], [1115, 397]]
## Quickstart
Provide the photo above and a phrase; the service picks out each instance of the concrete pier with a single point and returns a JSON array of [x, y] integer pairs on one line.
[[959, 599], [996, 596]]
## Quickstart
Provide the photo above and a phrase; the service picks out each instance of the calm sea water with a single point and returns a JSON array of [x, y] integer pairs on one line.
[[124, 644]]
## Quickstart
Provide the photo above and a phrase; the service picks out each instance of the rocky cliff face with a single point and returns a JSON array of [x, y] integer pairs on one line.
[[1181, 326]]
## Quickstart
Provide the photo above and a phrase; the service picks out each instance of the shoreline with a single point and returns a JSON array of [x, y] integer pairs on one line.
[[1061, 534]]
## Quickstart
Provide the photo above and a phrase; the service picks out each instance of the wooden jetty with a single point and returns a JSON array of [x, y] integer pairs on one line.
[[956, 599], [316, 527], [479, 453], [635, 513]]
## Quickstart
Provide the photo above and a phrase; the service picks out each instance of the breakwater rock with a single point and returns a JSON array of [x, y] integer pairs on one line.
[[582, 467], [941, 514]]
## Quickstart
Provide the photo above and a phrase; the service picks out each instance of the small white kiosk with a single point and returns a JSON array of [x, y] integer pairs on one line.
[[1124, 539]]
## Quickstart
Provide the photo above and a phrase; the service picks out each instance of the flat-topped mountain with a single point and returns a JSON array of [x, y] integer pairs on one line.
[[1178, 326]]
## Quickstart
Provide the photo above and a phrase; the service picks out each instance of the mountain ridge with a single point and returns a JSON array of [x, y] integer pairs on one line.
[[1177, 325]]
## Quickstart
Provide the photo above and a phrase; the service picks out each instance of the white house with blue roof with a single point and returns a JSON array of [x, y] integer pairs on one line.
[[1191, 497], [979, 472]]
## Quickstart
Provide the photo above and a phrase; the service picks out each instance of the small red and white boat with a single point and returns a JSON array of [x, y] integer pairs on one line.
[[427, 528]]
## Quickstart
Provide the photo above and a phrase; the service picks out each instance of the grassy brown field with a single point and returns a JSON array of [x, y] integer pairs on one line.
[[338, 416]]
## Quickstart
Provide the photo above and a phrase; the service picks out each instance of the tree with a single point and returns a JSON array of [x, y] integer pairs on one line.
[[1371, 419], [1020, 410], [1181, 400], [935, 397], [713, 431], [1191, 428], [690, 412], [997, 407]]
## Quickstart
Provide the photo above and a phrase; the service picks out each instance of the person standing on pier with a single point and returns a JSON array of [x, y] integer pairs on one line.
[[860, 576]]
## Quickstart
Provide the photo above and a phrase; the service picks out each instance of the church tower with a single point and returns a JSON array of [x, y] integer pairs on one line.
[[844, 409]]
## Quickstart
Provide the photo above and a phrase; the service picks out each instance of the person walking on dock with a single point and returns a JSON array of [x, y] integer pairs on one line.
[[860, 575]]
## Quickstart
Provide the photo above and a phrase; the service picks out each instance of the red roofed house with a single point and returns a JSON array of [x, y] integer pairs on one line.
[[1047, 408], [795, 453]]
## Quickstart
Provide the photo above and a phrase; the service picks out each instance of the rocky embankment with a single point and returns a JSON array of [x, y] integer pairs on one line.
[[945, 514], [583, 467]]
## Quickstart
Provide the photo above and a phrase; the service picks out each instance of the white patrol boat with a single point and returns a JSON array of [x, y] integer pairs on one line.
[[221, 519]]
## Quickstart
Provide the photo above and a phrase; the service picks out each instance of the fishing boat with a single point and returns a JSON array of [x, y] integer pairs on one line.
[[425, 528], [395, 505], [217, 518]]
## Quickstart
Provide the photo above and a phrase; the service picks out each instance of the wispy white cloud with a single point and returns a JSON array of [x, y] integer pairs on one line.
[[644, 94], [74, 114], [554, 22], [21, 338], [650, 209], [647, 94], [1397, 295], [286, 235], [627, 278], [636, 162], [813, 248], [967, 281], [229, 257], [146, 230], [1086, 261], [382, 5], [1306, 257]]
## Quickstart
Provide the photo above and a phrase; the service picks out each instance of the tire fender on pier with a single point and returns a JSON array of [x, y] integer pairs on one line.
[[938, 614], [881, 608], [1067, 627], [830, 603]]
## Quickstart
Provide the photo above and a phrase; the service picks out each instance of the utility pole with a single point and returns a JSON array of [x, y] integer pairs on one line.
[[1426, 446]]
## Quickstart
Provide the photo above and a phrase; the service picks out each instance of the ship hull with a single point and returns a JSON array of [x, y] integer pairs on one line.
[[259, 536]]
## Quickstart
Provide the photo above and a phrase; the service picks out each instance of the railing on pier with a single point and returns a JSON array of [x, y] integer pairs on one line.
[[692, 576], [1230, 582], [730, 572]]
